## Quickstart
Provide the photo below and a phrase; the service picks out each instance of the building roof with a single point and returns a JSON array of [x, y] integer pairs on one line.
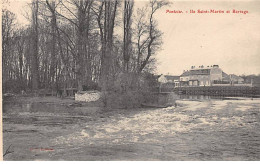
[[230, 77], [236, 78], [196, 72], [225, 76], [170, 77], [186, 73]]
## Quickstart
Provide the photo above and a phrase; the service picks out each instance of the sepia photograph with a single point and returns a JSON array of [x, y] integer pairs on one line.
[[130, 80]]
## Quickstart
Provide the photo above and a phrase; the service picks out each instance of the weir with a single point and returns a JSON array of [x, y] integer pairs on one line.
[[243, 91]]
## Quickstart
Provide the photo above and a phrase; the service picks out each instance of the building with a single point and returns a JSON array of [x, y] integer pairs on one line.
[[168, 78], [168, 82], [201, 76], [208, 76], [231, 79]]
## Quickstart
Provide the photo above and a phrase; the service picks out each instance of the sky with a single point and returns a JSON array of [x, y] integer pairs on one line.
[[231, 41]]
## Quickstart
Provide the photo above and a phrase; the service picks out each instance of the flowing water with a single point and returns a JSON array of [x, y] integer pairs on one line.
[[197, 129]]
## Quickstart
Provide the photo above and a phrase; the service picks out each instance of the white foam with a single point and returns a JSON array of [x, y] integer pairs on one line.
[[194, 105], [162, 122]]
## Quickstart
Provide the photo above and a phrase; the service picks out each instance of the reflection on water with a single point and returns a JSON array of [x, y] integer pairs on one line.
[[199, 97], [47, 114], [207, 97], [20, 107], [44, 108]]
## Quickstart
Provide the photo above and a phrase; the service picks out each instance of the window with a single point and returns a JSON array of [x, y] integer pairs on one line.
[[190, 83], [195, 83]]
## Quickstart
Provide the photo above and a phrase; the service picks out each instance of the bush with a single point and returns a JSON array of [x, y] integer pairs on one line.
[[91, 86], [130, 90]]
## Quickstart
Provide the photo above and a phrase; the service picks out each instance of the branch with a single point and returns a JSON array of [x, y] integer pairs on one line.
[[69, 10], [7, 151], [99, 21], [67, 19]]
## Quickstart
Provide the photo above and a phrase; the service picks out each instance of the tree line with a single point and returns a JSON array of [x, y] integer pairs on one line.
[[83, 44]]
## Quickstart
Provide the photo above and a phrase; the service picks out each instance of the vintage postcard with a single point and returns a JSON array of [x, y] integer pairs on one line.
[[130, 80]]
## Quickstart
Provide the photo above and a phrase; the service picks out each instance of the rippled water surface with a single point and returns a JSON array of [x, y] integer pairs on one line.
[[209, 129]]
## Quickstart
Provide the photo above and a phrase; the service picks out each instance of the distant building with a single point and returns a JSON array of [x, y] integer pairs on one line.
[[168, 78], [168, 82], [202, 76], [208, 76], [199, 77]]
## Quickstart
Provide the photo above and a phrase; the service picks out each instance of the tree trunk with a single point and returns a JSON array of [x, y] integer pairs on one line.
[[53, 47], [34, 47], [128, 9]]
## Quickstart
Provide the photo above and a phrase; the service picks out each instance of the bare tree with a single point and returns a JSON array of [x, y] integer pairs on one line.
[[8, 27], [106, 21], [52, 8], [128, 10], [34, 47], [20, 39], [154, 34], [141, 35], [72, 43]]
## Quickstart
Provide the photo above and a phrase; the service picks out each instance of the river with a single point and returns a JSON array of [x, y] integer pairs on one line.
[[196, 129]]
